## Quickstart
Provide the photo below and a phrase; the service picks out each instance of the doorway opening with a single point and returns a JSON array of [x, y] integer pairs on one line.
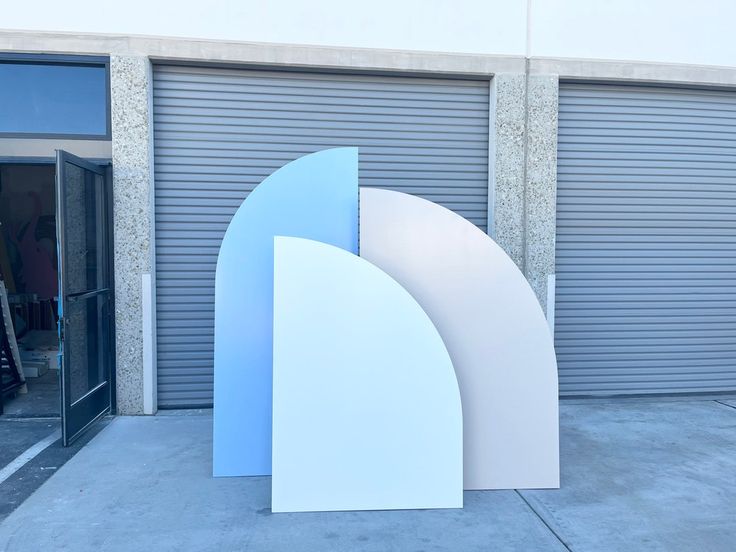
[[29, 291], [57, 339]]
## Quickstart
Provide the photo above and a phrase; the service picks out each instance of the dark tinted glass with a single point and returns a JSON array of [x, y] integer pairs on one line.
[[85, 343], [38, 98], [84, 270]]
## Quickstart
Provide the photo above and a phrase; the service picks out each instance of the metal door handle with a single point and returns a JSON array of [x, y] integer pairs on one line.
[[86, 294]]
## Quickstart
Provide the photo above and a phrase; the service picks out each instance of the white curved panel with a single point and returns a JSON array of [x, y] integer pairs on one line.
[[492, 325], [366, 407]]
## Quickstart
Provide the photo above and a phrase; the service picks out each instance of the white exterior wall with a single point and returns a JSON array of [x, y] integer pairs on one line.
[[666, 31], [474, 26]]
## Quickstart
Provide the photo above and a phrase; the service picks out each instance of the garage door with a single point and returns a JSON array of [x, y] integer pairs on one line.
[[646, 240], [219, 132]]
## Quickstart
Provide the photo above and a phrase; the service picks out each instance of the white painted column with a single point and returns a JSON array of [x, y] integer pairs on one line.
[[150, 398]]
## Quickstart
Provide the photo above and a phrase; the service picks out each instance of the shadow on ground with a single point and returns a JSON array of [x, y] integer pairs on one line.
[[636, 475], [17, 436]]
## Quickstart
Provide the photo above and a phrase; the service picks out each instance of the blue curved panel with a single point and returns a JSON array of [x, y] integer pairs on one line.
[[366, 406], [314, 197], [494, 329]]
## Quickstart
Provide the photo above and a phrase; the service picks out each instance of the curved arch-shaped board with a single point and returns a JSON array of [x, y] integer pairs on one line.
[[366, 407], [316, 197], [493, 327]]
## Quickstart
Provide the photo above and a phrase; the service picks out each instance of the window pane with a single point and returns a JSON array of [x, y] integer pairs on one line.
[[53, 99]]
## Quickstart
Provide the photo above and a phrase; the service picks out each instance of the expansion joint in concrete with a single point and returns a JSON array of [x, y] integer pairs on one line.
[[544, 521], [731, 406]]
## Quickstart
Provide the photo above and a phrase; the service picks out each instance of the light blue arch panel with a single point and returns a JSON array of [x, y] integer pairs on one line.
[[315, 197], [366, 406]]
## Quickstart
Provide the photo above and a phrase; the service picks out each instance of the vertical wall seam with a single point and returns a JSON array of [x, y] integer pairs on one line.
[[525, 156], [525, 173], [528, 31], [491, 217]]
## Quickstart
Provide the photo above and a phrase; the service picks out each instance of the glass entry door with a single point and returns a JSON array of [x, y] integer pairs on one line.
[[85, 293]]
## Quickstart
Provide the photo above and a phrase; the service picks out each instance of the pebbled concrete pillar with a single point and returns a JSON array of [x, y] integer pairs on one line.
[[541, 183], [130, 83], [524, 176], [508, 130]]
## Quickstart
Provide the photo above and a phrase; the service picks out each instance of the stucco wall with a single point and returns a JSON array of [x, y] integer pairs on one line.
[[665, 31]]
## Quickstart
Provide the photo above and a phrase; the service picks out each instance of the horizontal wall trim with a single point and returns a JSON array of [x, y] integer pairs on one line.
[[45, 148], [198, 51], [321, 58], [634, 71], [322, 69]]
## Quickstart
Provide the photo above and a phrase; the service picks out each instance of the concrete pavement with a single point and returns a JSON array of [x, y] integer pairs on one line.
[[636, 475]]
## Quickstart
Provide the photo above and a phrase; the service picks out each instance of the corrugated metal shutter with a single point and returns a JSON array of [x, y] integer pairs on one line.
[[219, 132], [646, 240]]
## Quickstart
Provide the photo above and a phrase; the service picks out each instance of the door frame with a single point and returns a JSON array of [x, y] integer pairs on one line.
[[106, 165], [110, 353]]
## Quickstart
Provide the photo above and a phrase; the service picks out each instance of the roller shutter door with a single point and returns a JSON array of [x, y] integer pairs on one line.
[[646, 240], [219, 132]]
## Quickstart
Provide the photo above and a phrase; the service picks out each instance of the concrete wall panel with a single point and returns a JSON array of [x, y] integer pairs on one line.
[[132, 219]]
